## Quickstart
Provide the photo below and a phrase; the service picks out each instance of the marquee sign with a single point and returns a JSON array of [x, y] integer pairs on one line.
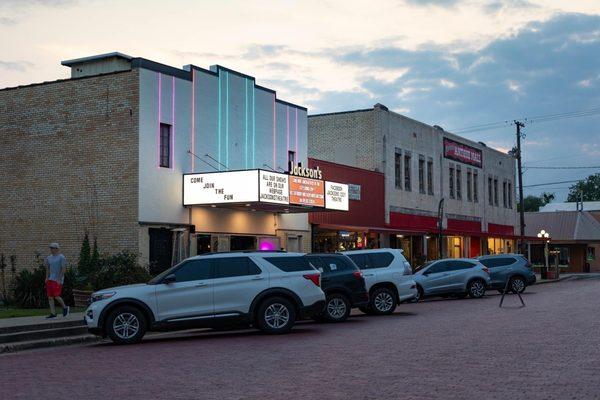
[[220, 187], [336, 196], [307, 192], [274, 187], [462, 153]]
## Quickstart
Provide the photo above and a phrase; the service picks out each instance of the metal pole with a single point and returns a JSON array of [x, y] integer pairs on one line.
[[440, 226], [521, 202]]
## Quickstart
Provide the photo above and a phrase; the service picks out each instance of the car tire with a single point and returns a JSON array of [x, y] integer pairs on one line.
[[276, 315], [383, 301], [420, 294], [476, 289], [337, 308], [126, 325], [517, 285]]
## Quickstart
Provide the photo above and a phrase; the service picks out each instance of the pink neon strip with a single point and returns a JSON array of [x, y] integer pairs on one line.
[[159, 112], [296, 148], [274, 136], [173, 122], [193, 131], [288, 129]]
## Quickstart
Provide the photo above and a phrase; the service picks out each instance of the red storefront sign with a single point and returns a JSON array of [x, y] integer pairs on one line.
[[307, 192], [501, 230], [462, 153]]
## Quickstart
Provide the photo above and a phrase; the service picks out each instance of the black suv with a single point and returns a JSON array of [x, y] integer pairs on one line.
[[343, 284]]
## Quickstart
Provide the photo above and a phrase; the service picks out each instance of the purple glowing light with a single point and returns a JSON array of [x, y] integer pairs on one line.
[[266, 245]]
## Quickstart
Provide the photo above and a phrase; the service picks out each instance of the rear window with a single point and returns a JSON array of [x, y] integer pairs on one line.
[[360, 260], [290, 264], [381, 260], [235, 266], [458, 265], [497, 262], [338, 264]]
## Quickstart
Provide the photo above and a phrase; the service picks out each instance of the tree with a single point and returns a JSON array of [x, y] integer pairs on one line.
[[95, 260], [590, 187], [534, 203], [85, 256]]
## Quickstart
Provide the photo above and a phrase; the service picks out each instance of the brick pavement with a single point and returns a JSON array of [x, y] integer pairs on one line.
[[440, 349]]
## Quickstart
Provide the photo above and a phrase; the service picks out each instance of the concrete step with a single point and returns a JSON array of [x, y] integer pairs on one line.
[[38, 334], [58, 341], [44, 325]]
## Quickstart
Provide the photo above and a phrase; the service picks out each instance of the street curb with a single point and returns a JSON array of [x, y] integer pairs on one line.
[[37, 344], [551, 281]]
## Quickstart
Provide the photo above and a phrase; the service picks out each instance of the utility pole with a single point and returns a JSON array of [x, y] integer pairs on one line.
[[520, 125]]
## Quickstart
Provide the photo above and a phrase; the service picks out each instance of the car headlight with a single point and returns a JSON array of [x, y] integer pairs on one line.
[[101, 296], [407, 268]]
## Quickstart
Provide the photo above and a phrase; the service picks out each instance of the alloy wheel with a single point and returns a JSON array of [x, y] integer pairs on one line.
[[383, 302], [517, 285], [336, 308], [126, 325], [477, 289], [277, 315]]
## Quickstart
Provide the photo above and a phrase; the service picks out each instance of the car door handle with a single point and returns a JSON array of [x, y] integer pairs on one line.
[[201, 284], [368, 274], [257, 278]]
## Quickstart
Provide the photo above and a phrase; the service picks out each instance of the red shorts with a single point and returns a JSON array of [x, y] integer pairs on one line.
[[53, 289]]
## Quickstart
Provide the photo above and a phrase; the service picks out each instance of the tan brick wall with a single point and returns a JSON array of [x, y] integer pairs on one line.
[[69, 164]]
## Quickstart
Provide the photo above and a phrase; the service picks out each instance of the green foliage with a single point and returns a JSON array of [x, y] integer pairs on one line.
[[85, 256], [30, 286], [590, 187], [534, 203], [119, 269], [95, 259]]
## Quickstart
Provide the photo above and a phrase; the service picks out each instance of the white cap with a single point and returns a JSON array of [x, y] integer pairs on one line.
[[54, 245]]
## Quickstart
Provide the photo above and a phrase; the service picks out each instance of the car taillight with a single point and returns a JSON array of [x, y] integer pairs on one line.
[[486, 270], [358, 275], [315, 278]]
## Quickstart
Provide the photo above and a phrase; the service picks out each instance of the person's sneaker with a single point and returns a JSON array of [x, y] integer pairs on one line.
[[51, 316], [66, 311]]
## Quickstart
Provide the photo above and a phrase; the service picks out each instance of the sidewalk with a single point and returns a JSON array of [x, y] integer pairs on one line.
[[38, 321], [568, 276]]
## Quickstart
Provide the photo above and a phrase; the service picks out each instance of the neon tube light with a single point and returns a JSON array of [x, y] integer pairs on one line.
[[274, 135], [227, 119], [158, 114], [219, 121], [173, 122], [193, 133]]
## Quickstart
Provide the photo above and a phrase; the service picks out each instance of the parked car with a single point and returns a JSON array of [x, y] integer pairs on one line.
[[512, 268], [388, 277], [343, 284], [267, 290], [452, 276]]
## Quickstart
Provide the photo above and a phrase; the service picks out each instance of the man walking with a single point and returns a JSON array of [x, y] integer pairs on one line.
[[56, 265]]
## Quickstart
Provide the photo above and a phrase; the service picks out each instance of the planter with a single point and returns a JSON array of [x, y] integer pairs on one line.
[[81, 298], [550, 274]]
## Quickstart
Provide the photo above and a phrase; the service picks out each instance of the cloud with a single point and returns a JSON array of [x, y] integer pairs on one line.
[[30, 3], [439, 3], [7, 21], [15, 65]]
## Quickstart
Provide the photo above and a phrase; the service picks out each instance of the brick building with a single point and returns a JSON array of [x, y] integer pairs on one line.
[[422, 165], [106, 152]]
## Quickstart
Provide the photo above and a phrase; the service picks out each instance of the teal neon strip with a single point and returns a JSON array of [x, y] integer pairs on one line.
[[253, 127], [246, 125], [219, 123], [227, 119]]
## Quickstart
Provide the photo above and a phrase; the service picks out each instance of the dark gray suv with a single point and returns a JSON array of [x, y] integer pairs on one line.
[[514, 268]]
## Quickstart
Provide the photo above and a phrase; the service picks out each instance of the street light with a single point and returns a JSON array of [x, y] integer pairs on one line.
[[546, 236]]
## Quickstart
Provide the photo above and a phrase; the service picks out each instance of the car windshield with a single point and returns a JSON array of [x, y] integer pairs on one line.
[[427, 264]]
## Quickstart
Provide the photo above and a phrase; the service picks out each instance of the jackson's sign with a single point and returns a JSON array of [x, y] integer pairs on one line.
[[462, 153], [299, 170]]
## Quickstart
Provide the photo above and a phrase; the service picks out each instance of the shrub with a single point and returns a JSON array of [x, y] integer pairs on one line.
[[30, 287], [119, 269]]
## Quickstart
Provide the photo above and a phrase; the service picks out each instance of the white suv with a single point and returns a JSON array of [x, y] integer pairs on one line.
[[388, 277], [268, 290]]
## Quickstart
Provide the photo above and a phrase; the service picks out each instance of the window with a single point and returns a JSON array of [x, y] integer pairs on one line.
[[422, 174], [475, 187], [490, 192], [496, 192], [469, 190], [438, 267], [497, 262], [291, 157], [317, 263], [458, 182], [165, 146], [380, 260], [195, 270], [459, 265], [451, 181], [361, 260], [591, 254], [504, 199], [398, 168], [337, 264], [290, 264], [430, 176], [510, 195], [407, 184], [228, 267]]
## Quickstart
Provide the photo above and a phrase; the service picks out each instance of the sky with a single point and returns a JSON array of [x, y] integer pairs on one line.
[[454, 63]]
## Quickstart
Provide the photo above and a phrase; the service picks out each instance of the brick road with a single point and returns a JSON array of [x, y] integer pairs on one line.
[[440, 349]]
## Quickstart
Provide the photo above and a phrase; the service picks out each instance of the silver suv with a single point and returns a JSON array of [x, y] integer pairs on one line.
[[453, 276], [388, 277]]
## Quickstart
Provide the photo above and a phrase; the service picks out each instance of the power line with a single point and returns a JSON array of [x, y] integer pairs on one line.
[[590, 167], [551, 183]]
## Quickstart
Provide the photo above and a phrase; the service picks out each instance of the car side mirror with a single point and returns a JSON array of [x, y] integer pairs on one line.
[[171, 278]]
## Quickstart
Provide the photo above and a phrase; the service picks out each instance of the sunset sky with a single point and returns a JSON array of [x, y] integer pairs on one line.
[[457, 64]]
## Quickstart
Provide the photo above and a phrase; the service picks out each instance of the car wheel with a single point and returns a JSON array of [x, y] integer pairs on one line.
[[126, 325], [383, 301], [337, 308], [517, 285], [276, 315], [420, 294], [476, 289]]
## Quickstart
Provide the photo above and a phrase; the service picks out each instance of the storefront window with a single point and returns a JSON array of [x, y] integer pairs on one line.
[[500, 246], [455, 246]]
